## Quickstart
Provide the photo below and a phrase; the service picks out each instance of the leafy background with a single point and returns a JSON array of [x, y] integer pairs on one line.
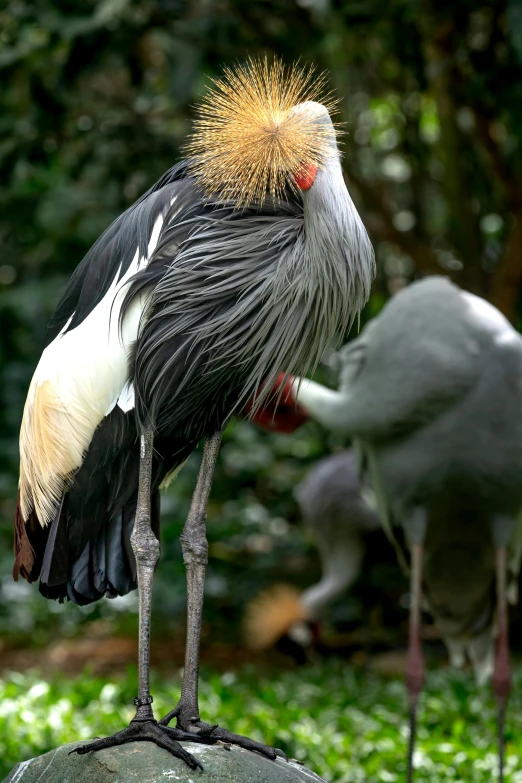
[[95, 102]]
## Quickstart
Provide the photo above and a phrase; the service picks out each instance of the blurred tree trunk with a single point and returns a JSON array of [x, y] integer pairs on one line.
[[507, 282], [464, 227]]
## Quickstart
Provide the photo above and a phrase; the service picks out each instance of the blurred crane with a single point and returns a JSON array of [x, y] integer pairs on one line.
[[241, 261], [338, 516], [432, 393]]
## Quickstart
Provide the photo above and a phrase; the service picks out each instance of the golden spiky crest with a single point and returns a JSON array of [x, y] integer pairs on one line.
[[271, 614], [247, 140]]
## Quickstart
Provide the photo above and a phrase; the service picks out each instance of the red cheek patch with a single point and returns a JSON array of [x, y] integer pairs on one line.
[[305, 177]]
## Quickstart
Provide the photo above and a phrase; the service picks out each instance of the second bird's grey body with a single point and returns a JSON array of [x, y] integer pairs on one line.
[[432, 393]]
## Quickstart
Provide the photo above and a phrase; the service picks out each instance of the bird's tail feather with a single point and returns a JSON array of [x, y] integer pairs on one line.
[[29, 545], [480, 649], [106, 565]]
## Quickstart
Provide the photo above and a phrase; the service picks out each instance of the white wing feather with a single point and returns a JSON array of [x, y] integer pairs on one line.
[[79, 379]]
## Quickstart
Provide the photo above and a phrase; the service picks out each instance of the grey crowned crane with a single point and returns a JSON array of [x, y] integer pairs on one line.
[[243, 260], [431, 392], [338, 515]]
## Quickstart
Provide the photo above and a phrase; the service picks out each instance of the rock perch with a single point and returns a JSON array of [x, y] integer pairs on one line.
[[144, 762]]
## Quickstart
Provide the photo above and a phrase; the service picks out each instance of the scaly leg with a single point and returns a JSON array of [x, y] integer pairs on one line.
[[145, 546], [415, 528], [502, 531], [195, 555], [502, 672]]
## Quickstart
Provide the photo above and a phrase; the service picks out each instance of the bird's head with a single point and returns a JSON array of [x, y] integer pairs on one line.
[[261, 130], [312, 113]]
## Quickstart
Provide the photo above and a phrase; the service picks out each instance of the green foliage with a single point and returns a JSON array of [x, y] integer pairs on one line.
[[345, 725]]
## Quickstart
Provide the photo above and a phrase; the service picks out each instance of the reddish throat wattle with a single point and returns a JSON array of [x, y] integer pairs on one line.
[[305, 177]]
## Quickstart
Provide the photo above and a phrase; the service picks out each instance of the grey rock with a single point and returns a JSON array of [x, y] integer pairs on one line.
[[144, 762]]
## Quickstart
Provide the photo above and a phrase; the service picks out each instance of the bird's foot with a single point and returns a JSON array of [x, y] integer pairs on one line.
[[195, 730], [148, 730]]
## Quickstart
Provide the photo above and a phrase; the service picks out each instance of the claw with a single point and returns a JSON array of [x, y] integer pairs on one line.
[[149, 731], [243, 742], [206, 730], [197, 731]]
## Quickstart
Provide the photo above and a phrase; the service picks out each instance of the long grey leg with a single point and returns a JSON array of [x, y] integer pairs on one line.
[[145, 546], [195, 555], [415, 528], [194, 546], [146, 549]]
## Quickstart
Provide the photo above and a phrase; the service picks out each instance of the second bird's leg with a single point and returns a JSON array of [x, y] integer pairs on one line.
[[501, 681], [145, 546], [195, 555], [502, 671], [415, 528]]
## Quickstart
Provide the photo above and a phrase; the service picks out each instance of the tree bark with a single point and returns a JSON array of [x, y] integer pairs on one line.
[[464, 228], [507, 281]]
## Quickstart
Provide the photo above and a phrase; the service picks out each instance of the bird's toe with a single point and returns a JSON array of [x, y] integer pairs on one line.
[[146, 731]]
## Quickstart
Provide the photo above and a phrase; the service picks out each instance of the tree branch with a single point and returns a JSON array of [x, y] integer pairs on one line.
[[415, 247], [507, 280]]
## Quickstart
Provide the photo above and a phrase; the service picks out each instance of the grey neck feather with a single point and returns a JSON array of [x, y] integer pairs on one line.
[[341, 566], [327, 274], [334, 233]]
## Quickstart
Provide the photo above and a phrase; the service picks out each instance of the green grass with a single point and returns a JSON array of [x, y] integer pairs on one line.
[[348, 726]]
